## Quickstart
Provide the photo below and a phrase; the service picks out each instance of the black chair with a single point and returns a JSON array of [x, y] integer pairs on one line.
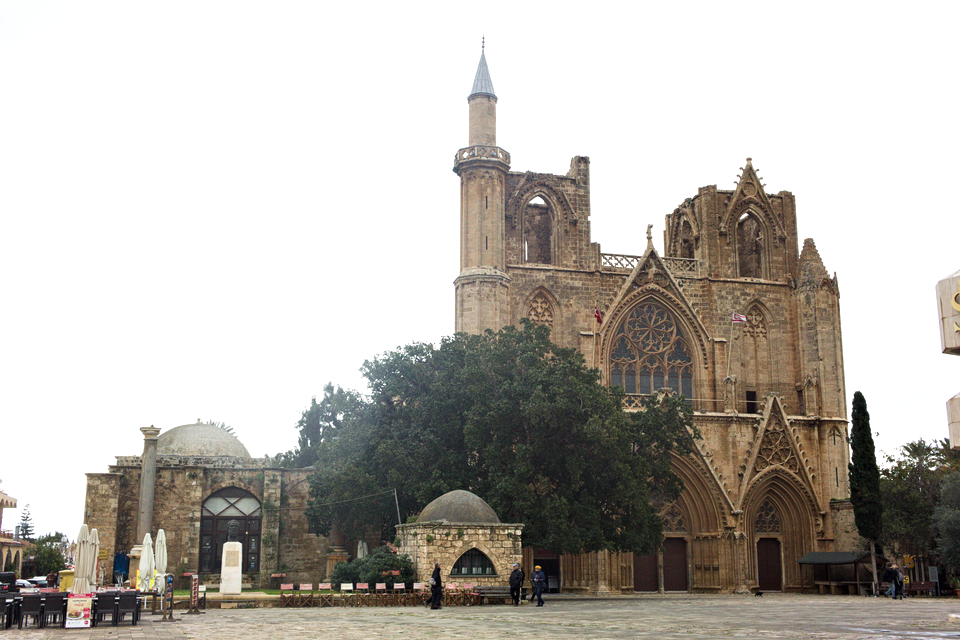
[[8, 604], [105, 604], [128, 603], [31, 606], [54, 609]]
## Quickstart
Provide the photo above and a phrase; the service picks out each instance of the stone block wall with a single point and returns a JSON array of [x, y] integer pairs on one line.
[[427, 543]]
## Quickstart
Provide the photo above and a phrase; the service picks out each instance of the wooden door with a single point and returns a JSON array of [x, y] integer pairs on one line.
[[769, 568], [645, 573], [675, 565]]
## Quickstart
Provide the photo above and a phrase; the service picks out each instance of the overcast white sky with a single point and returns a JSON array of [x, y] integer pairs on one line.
[[210, 209]]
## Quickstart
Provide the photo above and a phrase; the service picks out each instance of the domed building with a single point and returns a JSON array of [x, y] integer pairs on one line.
[[204, 477], [464, 534]]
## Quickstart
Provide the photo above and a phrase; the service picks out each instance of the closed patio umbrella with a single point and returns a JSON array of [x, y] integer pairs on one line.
[[146, 564], [82, 579], [160, 558], [94, 556]]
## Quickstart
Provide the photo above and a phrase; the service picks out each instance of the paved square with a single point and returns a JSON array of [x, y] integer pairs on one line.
[[565, 617]]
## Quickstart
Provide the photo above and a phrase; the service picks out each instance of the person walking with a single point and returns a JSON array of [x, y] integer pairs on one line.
[[436, 588], [890, 577], [516, 583], [539, 584], [899, 583]]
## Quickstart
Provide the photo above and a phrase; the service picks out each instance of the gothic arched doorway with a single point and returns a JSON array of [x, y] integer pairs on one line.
[[675, 565], [769, 568], [232, 503]]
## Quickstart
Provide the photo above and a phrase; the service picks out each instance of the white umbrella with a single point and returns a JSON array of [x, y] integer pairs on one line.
[[160, 558], [82, 579], [94, 556], [146, 564]]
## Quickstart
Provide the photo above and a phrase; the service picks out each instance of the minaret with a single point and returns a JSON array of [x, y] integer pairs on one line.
[[481, 287]]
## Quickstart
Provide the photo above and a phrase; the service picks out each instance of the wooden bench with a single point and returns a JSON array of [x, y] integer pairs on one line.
[[498, 593], [927, 588], [840, 587]]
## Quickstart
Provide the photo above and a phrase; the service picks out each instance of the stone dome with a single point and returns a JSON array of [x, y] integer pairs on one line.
[[200, 439], [459, 506]]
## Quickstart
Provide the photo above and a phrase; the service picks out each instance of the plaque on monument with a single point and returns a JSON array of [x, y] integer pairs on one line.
[[231, 576]]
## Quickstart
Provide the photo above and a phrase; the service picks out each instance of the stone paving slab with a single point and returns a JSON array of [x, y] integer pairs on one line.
[[802, 617]]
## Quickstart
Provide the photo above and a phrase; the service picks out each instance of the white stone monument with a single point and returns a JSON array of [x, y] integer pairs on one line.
[[231, 573]]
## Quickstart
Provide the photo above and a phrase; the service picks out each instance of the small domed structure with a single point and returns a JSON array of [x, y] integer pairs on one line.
[[461, 507], [200, 439]]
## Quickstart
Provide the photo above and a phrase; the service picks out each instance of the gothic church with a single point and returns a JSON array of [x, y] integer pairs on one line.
[[768, 482]]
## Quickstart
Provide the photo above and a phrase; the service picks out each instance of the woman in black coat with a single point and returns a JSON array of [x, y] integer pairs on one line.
[[436, 588]]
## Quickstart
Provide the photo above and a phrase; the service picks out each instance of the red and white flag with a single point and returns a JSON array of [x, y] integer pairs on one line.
[[596, 314], [739, 318]]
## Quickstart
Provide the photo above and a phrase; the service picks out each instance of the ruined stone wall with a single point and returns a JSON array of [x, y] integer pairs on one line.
[[428, 543], [100, 509], [302, 554]]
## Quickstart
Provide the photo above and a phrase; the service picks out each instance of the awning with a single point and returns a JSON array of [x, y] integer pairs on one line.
[[835, 557]]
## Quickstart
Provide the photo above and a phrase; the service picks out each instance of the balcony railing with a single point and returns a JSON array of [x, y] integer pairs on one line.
[[678, 267], [480, 151]]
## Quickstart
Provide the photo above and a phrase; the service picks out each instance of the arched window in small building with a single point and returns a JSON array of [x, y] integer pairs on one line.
[[232, 503], [686, 240], [473, 563], [538, 232], [650, 353], [749, 246]]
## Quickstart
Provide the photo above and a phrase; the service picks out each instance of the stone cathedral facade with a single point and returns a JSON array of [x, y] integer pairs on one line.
[[768, 482]]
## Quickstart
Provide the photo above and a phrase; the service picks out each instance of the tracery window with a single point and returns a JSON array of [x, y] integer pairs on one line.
[[473, 563], [673, 520], [650, 353], [775, 448], [541, 311], [232, 503], [767, 520]]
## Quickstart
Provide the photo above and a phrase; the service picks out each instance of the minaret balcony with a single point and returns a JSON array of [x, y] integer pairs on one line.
[[480, 152]]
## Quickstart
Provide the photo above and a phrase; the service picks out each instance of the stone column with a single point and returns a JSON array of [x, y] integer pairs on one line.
[[148, 481], [336, 553]]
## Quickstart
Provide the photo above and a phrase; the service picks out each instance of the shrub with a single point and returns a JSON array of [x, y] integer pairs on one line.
[[370, 569]]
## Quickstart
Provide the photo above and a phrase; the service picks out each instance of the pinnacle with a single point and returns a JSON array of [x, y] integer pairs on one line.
[[482, 84]]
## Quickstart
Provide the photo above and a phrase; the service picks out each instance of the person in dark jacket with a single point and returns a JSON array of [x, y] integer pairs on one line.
[[436, 588], [539, 584], [516, 583], [890, 577]]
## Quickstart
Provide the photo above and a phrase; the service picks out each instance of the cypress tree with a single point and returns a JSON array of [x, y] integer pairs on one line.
[[865, 480]]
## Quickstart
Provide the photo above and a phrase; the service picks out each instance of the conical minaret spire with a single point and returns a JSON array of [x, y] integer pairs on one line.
[[483, 105], [482, 84]]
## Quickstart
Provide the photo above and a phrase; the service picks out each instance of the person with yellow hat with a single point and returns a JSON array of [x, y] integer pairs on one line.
[[539, 584]]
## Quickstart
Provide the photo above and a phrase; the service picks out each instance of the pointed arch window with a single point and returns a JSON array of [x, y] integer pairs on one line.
[[749, 246], [538, 232], [650, 353], [473, 563]]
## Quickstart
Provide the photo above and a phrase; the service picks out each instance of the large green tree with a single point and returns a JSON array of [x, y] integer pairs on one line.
[[519, 421], [47, 554], [865, 479], [910, 490], [947, 519], [319, 423]]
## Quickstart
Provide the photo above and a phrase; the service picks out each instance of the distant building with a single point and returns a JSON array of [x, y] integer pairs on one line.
[[11, 548], [205, 478], [768, 482]]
